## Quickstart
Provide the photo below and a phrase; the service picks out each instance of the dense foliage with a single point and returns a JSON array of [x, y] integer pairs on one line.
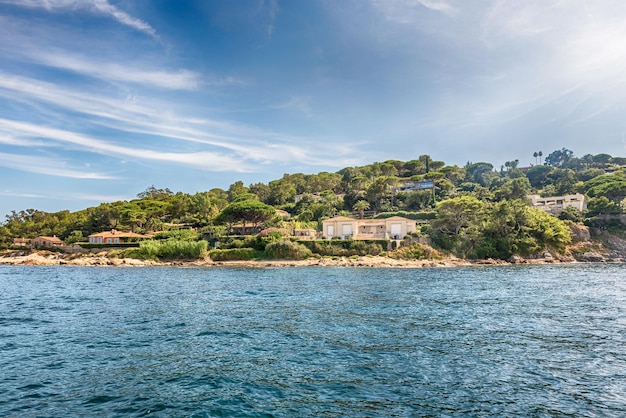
[[476, 210]]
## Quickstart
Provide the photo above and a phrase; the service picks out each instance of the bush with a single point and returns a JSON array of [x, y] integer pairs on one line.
[[345, 248], [415, 252], [232, 254], [172, 249], [179, 234], [286, 249]]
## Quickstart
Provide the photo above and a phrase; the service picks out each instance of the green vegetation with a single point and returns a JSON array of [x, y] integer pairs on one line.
[[171, 249], [474, 211], [287, 249]]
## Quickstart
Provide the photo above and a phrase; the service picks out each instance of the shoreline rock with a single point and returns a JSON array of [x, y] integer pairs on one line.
[[50, 259]]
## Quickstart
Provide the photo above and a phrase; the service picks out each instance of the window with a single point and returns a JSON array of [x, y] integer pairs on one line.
[[346, 229], [330, 230]]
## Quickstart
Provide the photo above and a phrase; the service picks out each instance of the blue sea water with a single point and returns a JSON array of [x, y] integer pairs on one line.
[[542, 341]]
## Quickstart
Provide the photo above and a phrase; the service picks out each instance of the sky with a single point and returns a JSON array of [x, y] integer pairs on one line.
[[101, 99]]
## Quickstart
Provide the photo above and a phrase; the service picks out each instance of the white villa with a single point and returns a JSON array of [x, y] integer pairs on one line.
[[556, 204], [343, 227]]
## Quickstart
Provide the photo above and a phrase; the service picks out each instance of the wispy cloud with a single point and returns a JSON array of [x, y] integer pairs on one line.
[[411, 11], [65, 196], [113, 72], [204, 160], [271, 8], [96, 6], [47, 166], [124, 18], [244, 144]]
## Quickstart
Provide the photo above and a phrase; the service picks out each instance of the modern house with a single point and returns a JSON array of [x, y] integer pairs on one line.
[[114, 237], [343, 227], [556, 204], [46, 242], [414, 186]]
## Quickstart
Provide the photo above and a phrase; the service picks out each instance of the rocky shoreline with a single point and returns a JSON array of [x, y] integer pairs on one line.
[[46, 258]]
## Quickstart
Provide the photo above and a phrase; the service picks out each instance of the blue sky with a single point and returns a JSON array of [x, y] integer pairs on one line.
[[100, 99]]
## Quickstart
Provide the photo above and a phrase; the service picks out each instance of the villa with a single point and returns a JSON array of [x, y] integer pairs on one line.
[[343, 227], [114, 237], [21, 242], [46, 242], [557, 204]]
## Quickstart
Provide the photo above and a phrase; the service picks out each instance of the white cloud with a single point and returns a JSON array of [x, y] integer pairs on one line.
[[204, 160], [46, 166], [411, 11], [153, 118], [177, 80], [64, 196], [124, 18], [98, 6]]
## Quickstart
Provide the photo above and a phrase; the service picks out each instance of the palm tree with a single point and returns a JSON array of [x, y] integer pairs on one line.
[[535, 154], [540, 154], [361, 206]]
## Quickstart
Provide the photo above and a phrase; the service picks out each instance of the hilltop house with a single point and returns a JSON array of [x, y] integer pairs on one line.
[[343, 227], [46, 242], [114, 237], [556, 204]]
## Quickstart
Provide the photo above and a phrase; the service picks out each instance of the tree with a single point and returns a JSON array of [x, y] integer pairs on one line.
[[361, 206], [538, 175], [513, 227], [517, 188], [480, 173], [281, 191], [261, 190], [154, 193], [236, 189], [456, 214], [245, 211], [559, 158]]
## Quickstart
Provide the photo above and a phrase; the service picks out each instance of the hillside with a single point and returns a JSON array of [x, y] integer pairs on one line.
[[477, 211]]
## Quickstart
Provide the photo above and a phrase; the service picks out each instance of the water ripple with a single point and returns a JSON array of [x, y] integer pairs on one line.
[[495, 341]]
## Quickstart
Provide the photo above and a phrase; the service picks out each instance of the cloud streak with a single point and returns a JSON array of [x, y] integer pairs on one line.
[[97, 6], [47, 167]]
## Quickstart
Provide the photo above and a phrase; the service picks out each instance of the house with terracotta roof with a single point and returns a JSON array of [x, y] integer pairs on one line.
[[21, 242], [114, 237], [344, 227], [46, 242]]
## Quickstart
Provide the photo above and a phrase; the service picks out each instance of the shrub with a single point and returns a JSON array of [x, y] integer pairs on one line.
[[172, 249], [345, 248], [231, 254], [287, 249], [180, 234], [415, 252]]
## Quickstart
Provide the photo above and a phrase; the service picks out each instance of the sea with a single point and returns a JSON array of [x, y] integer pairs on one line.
[[489, 341]]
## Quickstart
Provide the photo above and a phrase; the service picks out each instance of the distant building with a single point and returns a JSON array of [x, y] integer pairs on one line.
[[414, 186], [21, 242], [306, 233], [556, 204], [114, 237], [46, 242], [343, 227]]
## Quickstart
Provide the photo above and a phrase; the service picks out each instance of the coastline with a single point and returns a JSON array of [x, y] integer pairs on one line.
[[44, 258]]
